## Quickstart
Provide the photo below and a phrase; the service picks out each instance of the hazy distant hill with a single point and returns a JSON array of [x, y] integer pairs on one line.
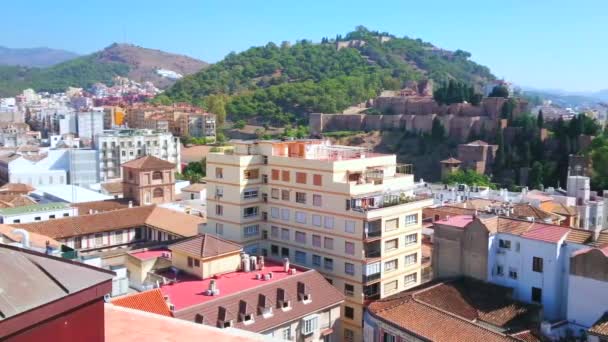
[[137, 63], [283, 82], [34, 57]]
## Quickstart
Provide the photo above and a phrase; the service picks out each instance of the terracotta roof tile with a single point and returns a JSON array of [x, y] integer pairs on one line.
[[545, 232], [449, 311], [149, 163], [169, 220], [579, 236], [562, 209], [85, 208], [16, 187], [196, 187], [205, 246], [151, 301], [600, 327], [112, 187]]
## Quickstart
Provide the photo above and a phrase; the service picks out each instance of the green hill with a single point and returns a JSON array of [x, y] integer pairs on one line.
[[137, 63], [282, 83]]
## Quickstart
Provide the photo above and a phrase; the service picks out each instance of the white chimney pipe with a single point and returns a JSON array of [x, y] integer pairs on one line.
[[25, 236]]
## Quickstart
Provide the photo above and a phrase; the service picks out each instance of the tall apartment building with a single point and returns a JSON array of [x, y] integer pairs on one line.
[[181, 120], [122, 145], [89, 123], [348, 213]]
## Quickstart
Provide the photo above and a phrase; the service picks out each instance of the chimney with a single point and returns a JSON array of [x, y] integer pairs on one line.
[[286, 265], [261, 262]]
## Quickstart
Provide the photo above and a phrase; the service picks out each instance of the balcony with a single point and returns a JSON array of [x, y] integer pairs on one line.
[[372, 249], [371, 292], [384, 200], [372, 229], [367, 278]]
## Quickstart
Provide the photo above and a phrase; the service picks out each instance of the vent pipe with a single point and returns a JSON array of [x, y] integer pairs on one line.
[[25, 237]]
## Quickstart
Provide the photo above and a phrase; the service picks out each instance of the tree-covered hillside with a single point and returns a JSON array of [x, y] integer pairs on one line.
[[78, 72], [281, 83]]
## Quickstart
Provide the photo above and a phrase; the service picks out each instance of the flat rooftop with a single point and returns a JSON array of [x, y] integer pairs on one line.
[[34, 208], [190, 290], [459, 221], [151, 254]]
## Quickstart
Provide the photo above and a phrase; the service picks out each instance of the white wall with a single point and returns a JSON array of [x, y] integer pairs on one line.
[[31, 217], [587, 300]]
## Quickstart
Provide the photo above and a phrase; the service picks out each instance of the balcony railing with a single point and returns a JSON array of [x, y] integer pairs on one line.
[[386, 200], [371, 277]]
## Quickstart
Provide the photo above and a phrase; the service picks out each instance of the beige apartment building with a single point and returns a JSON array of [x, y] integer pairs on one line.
[[344, 211]]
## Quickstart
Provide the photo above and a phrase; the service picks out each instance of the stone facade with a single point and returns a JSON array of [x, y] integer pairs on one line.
[[477, 155]]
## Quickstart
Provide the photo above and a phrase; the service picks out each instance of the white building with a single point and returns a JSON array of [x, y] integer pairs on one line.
[[43, 169], [67, 124], [90, 123], [122, 145], [36, 212]]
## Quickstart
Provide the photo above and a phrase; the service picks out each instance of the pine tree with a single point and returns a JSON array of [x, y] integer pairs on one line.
[[540, 120]]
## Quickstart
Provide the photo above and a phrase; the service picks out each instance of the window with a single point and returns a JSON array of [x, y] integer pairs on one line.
[[197, 263], [51, 217], [66, 214], [309, 324], [250, 193], [349, 312], [16, 221], [301, 197], [287, 334], [300, 257], [328, 263], [316, 241], [219, 210], [349, 290], [157, 175], [300, 217], [390, 287], [328, 243], [500, 270], [316, 220], [250, 212], [537, 264], [285, 195], [219, 172], [284, 214], [190, 262], [329, 222], [316, 260], [253, 230], [506, 244], [349, 226], [391, 224], [349, 268], [275, 174], [512, 273], [301, 177], [274, 212], [285, 234], [391, 244], [274, 193], [285, 176], [537, 295], [390, 265], [98, 239], [158, 192], [274, 231], [349, 335], [411, 239], [285, 252], [37, 218], [411, 259], [118, 236], [410, 278], [349, 248], [300, 237], [411, 219], [219, 191], [317, 200], [317, 180], [251, 174], [387, 337], [219, 228], [274, 249]]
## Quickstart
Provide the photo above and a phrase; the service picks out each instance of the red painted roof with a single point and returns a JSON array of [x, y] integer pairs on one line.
[[149, 301], [146, 255], [458, 221], [188, 291], [546, 232]]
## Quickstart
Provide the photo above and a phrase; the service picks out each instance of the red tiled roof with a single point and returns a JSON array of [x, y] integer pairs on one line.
[[169, 220], [546, 232], [458, 221], [600, 328], [206, 246], [85, 208], [254, 292], [16, 187], [449, 311], [149, 301], [149, 163], [112, 187]]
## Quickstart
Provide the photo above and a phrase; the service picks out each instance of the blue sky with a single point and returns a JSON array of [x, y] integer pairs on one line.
[[558, 44]]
